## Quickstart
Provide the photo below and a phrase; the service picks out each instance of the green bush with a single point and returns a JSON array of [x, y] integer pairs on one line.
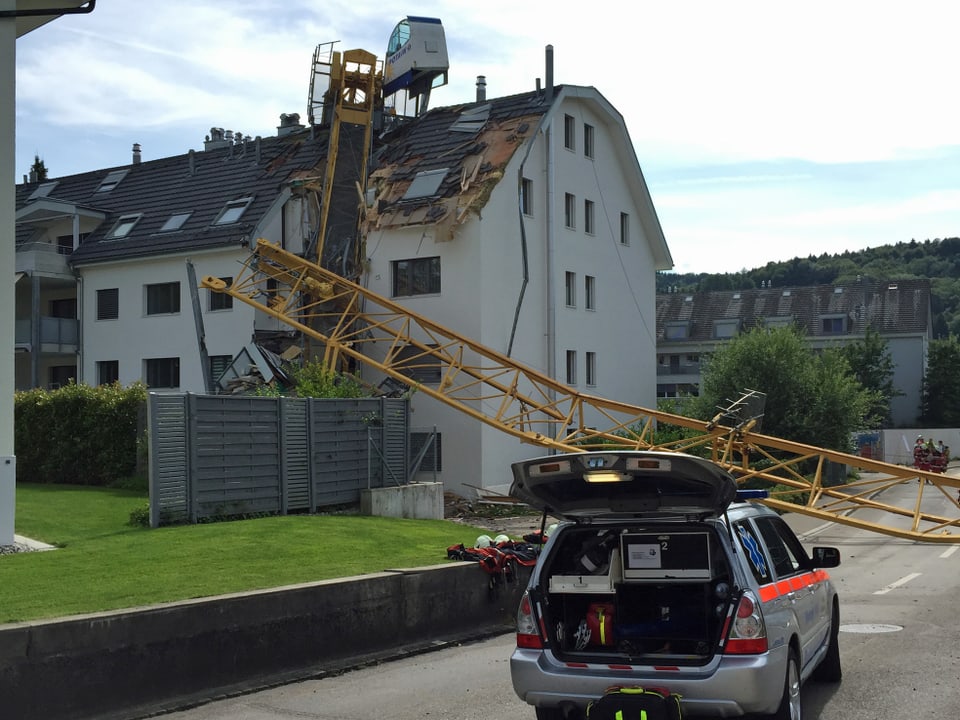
[[78, 434]]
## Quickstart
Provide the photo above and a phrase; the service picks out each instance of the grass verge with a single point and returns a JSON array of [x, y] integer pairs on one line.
[[103, 563]]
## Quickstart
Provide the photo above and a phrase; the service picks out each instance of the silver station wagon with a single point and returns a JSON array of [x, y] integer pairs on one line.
[[659, 577]]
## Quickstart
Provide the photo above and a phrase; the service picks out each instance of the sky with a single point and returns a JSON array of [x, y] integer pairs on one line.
[[764, 130]]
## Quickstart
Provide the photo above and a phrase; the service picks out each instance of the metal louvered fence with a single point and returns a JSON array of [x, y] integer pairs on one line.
[[224, 455]]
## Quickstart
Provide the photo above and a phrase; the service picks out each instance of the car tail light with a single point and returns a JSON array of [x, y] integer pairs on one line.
[[748, 634], [528, 635]]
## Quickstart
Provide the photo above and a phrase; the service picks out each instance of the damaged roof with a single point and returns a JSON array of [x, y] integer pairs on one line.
[[890, 308], [443, 166]]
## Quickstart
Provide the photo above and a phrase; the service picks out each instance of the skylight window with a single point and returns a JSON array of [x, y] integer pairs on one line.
[[233, 211], [112, 180], [123, 227], [43, 191], [175, 222], [425, 184]]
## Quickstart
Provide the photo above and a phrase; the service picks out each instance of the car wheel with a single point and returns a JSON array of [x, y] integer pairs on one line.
[[790, 702], [829, 669]]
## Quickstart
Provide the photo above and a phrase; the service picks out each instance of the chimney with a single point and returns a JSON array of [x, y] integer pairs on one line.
[[288, 123], [549, 79], [136, 153], [481, 88]]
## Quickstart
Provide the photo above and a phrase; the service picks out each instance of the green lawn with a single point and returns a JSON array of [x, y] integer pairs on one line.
[[103, 563]]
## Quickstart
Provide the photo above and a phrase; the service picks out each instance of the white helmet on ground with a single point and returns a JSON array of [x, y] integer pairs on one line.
[[501, 539], [483, 541]]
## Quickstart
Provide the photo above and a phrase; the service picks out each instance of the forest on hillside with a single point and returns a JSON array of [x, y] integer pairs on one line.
[[936, 260]]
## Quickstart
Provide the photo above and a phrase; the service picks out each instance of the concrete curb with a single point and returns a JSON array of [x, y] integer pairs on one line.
[[138, 663]]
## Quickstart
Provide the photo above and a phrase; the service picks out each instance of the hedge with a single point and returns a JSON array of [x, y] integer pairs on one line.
[[78, 434]]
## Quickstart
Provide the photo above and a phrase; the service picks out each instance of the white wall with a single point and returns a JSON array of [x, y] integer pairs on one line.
[[135, 336]]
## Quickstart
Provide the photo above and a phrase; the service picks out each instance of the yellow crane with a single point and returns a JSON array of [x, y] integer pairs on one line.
[[352, 323]]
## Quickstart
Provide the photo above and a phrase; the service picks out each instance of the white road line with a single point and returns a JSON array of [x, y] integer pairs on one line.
[[902, 581], [948, 552]]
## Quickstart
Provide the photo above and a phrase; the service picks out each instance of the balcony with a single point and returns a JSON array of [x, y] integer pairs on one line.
[[57, 335], [42, 258]]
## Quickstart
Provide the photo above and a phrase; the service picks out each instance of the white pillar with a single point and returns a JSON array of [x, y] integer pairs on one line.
[[8, 474]]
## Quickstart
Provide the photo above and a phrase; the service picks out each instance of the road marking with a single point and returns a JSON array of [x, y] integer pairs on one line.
[[948, 552], [902, 581]]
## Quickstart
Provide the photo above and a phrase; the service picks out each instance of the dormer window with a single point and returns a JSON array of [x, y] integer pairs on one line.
[[676, 330], [833, 324], [112, 180], [723, 329], [233, 211], [123, 227]]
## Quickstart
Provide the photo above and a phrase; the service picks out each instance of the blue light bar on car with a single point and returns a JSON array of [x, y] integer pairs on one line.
[[751, 494]]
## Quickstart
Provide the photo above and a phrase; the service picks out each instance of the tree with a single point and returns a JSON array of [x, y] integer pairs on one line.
[[38, 171], [813, 399], [873, 367], [941, 384]]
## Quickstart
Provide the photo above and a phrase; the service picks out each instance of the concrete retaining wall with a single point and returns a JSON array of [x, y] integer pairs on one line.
[[133, 663]]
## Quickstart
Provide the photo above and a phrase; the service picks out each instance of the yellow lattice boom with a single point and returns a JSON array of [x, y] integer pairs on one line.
[[355, 324]]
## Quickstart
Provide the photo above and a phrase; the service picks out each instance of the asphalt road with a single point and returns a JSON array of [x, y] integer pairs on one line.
[[900, 648]]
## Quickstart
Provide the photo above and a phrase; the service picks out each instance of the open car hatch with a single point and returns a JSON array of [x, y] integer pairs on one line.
[[624, 482]]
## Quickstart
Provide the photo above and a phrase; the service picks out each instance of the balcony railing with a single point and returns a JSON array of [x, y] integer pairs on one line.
[[62, 333]]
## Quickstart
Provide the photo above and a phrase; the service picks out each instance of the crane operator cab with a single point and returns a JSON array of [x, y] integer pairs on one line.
[[416, 60]]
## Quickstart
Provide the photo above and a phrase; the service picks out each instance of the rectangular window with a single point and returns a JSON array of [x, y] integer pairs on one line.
[[723, 329], [591, 369], [233, 211], [64, 308], [570, 288], [108, 372], [571, 367], [419, 276], [163, 372], [588, 141], [418, 364], [108, 304], [833, 325], [588, 226], [526, 196], [624, 229], [590, 292], [123, 227], [163, 298], [569, 132], [570, 211], [62, 375], [219, 300], [676, 330]]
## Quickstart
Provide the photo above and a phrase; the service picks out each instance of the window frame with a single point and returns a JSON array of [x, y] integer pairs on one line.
[[570, 133], [152, 370], [588, 139], [526, 196], [412, 275], [233, 211], [570, 288], [590, 368], [571, 367], [104, 310], [589, 292], [108, 372], [158, 297], [589, 221], [124, 226], [218, 301], [570, 211], [624, 228]]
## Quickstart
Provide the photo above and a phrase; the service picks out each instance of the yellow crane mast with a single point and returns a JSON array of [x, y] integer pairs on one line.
[[353, 323]]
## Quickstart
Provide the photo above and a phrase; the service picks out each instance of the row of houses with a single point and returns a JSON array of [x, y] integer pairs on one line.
[[524, 222]]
